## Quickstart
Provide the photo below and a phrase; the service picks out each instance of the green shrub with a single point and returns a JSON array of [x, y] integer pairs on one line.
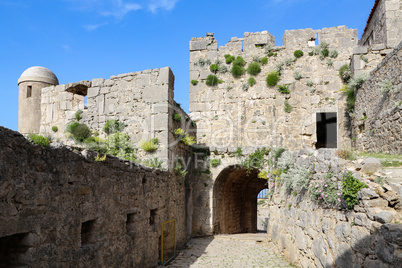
[[119, 145], [324, 53], [270, 54], [238, 152], [212, 80], [310, 83], [81, 132], [311, 53], [251, 81], [237, 71], [350, 187], [244, 86], [177, 117], [194, 82], [254, 68], [55, 128], [255, 160], [153, 163], [239, 61], [229, 59], [71, 127], [78, 115], [288, 108], [284, 89], [214, 68], [193, 124], [215, 162], [279, 67], [264, 60], [272, 79], [113, 126], [150, 146], [39, 140], [298, 54]]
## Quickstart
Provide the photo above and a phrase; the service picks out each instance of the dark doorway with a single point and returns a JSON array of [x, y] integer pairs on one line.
[[326, 130], [235, 200]]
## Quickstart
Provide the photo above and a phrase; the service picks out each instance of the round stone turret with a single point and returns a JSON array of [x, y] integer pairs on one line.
[[30, 84]]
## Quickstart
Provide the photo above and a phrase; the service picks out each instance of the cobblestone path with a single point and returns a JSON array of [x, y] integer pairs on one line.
[[239, 250]]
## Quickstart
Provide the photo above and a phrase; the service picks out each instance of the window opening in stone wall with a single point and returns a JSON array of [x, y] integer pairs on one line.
[[13, 250], [317, 41], [152, 216], [130, 222], [88, 232], [326, 130], [29, 91]]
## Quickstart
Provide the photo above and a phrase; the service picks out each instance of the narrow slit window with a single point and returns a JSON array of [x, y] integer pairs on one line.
[[88, 233], [29, 91], [326, 130]]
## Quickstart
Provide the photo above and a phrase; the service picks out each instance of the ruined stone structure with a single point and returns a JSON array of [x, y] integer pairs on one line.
[[109, 214], [227, 115], [377, 123]]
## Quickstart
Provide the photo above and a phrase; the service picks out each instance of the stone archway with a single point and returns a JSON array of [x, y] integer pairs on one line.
[[235, 200]]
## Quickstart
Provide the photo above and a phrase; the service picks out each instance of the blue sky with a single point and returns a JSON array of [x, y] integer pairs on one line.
[[85, 39]]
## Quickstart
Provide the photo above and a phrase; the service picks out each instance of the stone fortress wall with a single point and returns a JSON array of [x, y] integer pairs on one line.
[[384, 24], [143, 101], [228, 116], [61, 208], [377, 121]]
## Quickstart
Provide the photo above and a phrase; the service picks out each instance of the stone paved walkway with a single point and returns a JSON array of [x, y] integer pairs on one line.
[[239, 250]]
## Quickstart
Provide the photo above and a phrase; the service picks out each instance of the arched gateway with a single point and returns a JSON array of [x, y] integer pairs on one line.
[[235, 200]]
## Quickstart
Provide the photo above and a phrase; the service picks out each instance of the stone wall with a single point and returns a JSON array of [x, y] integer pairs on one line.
[[377, 122], [143, 101], [313, 235], [383, 25], [231, 115], [60, 208]]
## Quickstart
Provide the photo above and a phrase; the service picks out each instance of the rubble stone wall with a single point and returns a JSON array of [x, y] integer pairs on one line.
[[231, 114], [61, 208], [313, 235], [143, 101], [377, 122]]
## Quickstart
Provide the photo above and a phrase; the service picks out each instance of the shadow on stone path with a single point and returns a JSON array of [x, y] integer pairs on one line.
[[238, 250]]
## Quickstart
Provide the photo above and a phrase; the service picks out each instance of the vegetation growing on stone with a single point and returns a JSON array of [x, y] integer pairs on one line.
[[39, 140], [184, 137], [78, 115], [237, 71], [345, 73], [272, 79], [150, 145], [214, 68], [180, 169], [153, 163], [254, 68], [251, 81], [255, 160], [119, 145], [333, 54], [229, 59], [326, 191], [55, 128], [177, 117], [298, 54], [264, 60], [113, 126], [297, 75], [284, 89], [212, 80], [194, 82], [239, 61], [296, 178], [244, 86], [346, 154], [288, 108], [79, 131], [215, 162], [350, 187]]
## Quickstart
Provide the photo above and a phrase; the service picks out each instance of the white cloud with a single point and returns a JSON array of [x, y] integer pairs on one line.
[[120, 9], [154, 5], [93, 27]]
